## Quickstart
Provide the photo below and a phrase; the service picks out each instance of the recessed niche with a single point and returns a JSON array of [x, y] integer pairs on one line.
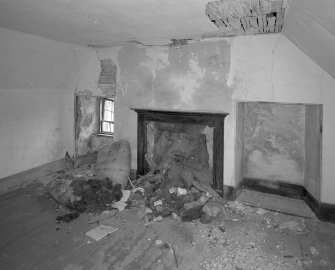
[[279, 142]]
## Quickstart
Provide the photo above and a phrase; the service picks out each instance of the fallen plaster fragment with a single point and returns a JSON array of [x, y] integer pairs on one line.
[[148, 210], [314, 251], [100, 232], [157, 219], [119, 205], [173, 190], [181, 191], [159, 202], [125, 195]]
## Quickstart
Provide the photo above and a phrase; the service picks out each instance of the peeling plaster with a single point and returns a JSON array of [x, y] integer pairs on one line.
[[87, 94], [250, 68], [158, 58], [188, 84], [274, 141]]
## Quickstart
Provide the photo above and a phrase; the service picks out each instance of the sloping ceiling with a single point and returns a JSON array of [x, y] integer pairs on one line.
[[107, 22], [310, 25]]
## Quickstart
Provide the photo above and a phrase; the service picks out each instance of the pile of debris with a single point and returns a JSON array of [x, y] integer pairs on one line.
[[93, 183], [102, 183], [176, 189]]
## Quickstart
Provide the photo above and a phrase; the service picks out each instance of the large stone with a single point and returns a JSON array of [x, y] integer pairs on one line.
[[113, 162], [192, 210], [191, 205], [191, 213]]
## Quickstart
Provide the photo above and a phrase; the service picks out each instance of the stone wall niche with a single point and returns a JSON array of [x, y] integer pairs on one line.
[[279, 144]]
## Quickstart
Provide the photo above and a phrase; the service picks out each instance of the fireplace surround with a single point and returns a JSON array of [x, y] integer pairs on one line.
[[211, 119]]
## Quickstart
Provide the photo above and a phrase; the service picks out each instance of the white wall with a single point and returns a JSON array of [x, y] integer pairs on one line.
[[260, 68], [271, 68], [37, 81]]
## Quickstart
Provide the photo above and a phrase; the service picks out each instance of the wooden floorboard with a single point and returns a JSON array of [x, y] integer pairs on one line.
[[30, 238]]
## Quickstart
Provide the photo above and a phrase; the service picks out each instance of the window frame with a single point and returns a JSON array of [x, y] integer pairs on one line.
[[101, 116]]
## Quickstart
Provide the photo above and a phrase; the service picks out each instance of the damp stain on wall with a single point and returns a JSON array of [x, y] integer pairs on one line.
[[274, 136], [192, 77]]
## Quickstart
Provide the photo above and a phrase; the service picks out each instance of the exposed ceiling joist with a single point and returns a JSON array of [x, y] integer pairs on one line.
[[241, 17]]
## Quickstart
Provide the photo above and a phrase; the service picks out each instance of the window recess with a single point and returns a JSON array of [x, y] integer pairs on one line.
[[106, 116]]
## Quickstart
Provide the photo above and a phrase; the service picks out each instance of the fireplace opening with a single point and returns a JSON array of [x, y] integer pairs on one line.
[[183, 141], [189, 145]]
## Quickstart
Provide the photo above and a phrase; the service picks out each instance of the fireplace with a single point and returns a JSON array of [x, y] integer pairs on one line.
[[185, 125]]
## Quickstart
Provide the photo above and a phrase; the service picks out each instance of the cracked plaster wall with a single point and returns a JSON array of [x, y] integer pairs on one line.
[[214, 75]]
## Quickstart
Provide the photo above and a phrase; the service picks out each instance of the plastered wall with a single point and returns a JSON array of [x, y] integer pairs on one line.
[[88, 94], [273, 69], [313, 143], [274, 142], [214, 75], [37, 78]]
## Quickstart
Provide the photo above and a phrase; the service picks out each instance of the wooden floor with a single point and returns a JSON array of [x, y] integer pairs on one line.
[[30, 239]]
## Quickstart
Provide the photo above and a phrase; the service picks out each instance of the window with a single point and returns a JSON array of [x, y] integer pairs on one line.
[[107, 116]]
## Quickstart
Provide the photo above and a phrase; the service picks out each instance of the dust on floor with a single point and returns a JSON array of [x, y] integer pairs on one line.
[[241, 237]]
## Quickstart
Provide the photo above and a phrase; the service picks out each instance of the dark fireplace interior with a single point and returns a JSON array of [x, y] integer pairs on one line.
[[192, 141], [179, 142]]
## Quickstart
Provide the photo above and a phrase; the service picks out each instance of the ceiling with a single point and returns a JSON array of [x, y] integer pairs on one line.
[[310, 24], [107, 22]]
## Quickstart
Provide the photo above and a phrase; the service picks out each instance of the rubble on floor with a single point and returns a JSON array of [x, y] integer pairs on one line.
[[94, 182], [224, 234], [174, 189], [239, 237]]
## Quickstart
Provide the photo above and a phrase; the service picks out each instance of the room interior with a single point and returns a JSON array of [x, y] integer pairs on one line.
[[270, 80]]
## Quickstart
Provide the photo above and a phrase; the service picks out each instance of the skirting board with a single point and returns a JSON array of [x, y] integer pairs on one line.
[[324, 211], [18, 180]]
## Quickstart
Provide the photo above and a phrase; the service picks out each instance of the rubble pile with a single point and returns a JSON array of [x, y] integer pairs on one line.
[[179, 187], [175, 189], [92, 183], [80, 194]]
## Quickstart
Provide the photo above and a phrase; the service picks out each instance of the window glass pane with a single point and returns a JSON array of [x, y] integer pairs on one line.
[[108, 116], [106, 127], [108, 105]]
